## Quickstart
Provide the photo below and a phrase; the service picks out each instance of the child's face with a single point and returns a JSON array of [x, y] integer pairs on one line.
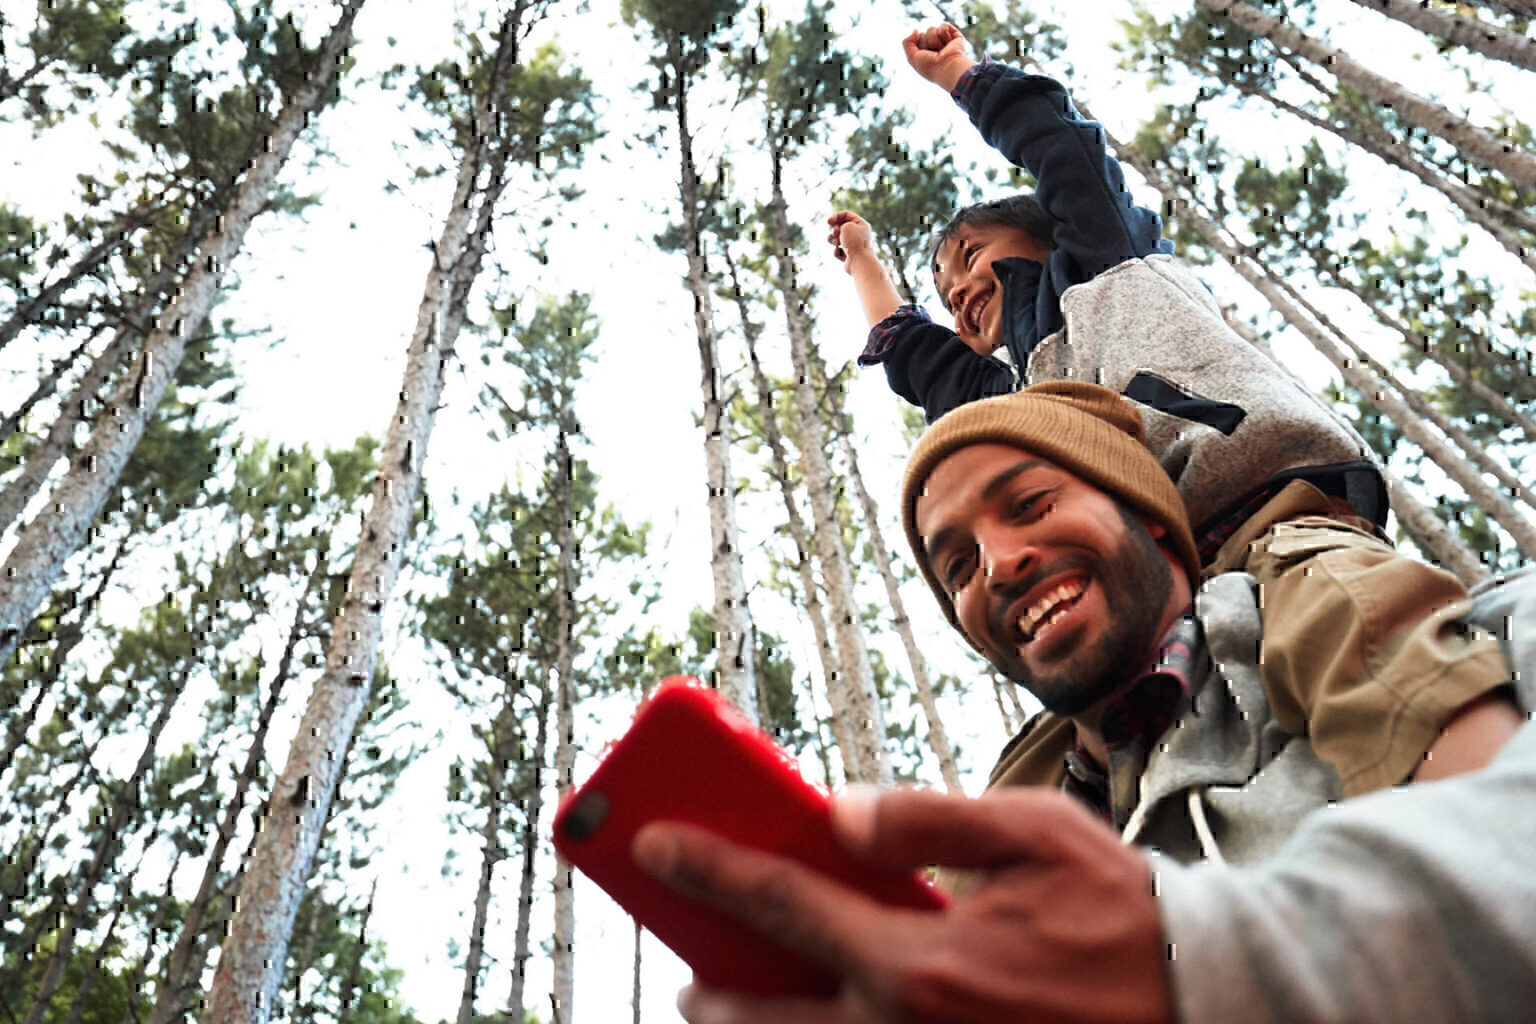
[[962, 270]]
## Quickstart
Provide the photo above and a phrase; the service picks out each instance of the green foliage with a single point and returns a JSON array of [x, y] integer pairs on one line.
[[685, 29]]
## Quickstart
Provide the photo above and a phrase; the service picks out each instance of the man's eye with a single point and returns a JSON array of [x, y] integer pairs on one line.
[[957, 570], [1031, 507]]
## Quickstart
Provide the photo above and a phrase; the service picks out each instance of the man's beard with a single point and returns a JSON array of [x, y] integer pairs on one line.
[[1136, 580]]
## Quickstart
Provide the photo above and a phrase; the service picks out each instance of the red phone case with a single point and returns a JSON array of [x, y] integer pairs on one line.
[[690, 756]]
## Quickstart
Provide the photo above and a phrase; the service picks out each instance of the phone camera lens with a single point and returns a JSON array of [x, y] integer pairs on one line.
[[586, 816]]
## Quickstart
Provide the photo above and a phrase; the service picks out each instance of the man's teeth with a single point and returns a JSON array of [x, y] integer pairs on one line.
[[1048, 606]]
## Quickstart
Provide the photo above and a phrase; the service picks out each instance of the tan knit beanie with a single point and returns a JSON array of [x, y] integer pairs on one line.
[[1086, 429]]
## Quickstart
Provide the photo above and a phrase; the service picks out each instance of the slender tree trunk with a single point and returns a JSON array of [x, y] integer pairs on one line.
[[1466, 476], [938, 738], [116, 235], [855, 686], [520, 952], [1482, 37], [176, 974], [1487, 148], [49, 541], [47, 386], [68, 637], [564, 960], [246, 979], [355, 968], [135, 986], [1499, 220], [735, 637], [490, 856], [841, 729], [634, 997], [1475, 452], [123, 801], [1431, 534], [1514, 8], [1498, 403]]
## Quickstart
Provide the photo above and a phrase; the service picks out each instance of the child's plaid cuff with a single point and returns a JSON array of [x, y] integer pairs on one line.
[[962, 90], [882, 336]]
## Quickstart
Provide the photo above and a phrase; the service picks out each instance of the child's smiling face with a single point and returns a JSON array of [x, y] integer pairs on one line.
[[962, 271]]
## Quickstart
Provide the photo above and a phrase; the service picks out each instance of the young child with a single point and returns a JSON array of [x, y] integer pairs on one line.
[[1075, 282]]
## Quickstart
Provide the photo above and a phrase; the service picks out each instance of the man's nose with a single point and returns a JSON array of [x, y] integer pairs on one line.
[[956, 297], [1006, 554]]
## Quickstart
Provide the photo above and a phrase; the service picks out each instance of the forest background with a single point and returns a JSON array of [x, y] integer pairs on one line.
[[254, 254]]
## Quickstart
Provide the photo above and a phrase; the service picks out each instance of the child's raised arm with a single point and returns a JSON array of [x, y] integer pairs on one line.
[[854, 243]]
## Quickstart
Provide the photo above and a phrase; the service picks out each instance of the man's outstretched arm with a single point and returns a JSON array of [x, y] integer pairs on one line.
[[1065, 929]]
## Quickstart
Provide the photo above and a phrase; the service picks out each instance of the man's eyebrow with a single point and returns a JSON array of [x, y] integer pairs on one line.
[[1000, 481]]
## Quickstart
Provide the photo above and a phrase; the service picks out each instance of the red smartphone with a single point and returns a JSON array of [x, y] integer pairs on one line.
[[690, 756]]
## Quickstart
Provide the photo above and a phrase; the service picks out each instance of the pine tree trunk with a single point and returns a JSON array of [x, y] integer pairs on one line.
[[1469, 447], [48, 542], [634, 998], [1484, 146], [814, 610], [246, 979], [125, 888], [1514, 8], [1466, 476], [1498, 219], [116, 235], [355, 969], [854, 688], [135, 985], [1482, 37], [735, 639], [520, 951], [1431, 534], [176, 974], [938, 738], [490, 855], [123, 802], [67, 637], [565, 749], [47, 386]]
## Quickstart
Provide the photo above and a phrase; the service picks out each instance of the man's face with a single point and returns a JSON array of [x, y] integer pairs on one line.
[[962, 271], [1060, 587]]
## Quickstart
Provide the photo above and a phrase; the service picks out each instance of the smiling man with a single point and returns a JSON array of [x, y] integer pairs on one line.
[[1059, 548]]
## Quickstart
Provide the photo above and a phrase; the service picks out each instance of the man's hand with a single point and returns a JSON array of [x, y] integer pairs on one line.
[[850, 236], [939, 53], [1064, 928]]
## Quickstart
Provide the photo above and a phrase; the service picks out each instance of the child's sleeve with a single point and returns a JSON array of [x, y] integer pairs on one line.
[[1031, 121], [930, 366]]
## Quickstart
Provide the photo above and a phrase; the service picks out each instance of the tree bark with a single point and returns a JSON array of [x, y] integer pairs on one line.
[[1484, 37], [735, 636], [1484, 146], [250, 965], [490, 856], [565, 749], [1431, 534], [938, 738], [49, 541], [520, 952], [176, 975], [814, 610], [855, 685]]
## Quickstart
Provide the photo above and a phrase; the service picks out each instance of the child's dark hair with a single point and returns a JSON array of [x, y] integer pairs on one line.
[[1021, 211]]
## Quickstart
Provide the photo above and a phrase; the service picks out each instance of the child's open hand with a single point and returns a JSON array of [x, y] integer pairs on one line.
[[939, 53], [850, 235]]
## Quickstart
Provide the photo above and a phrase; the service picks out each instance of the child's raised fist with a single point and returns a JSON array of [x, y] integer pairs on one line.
[[939, 53], [849, 236]]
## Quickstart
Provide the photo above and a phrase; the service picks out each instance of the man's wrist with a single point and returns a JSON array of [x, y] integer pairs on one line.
[[949, 77]]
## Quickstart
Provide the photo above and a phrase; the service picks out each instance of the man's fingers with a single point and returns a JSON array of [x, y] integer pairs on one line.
[[901, 829], [700, 1005], [784, 900]]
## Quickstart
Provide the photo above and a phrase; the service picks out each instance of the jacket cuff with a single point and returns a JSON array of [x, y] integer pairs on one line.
[[964, 88], [883, 336]]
